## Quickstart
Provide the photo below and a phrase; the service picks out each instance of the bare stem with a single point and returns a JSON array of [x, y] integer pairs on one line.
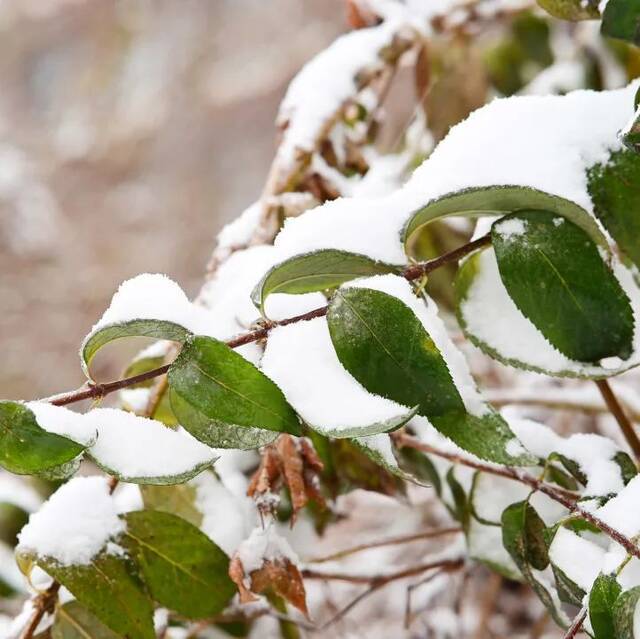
[[576, 624], [42, 604], [622, 418], [413, 272]]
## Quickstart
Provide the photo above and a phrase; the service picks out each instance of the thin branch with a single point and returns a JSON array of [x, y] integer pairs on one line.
[[415, 271], [622, 418], [449, 564], [42, 604], [563, 497], [391, 541], [408, 616], [576, 624]]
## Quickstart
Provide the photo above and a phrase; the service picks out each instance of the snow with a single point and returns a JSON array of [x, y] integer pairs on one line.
[[153, 296], [510, 228], [325, 83], [264, 544], [579, 558], [622, 512], [62, 421], [301, 360], [18, 493], [137, 447], [74, 524], [593, 453], [239, 232], [484, 150], [427, 312]]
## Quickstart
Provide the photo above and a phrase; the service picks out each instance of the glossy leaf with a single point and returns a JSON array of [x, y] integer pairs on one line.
[[621, 19], [624, 613], [26, 448], [213, 387], [404, 365], [110, 589], [74, 621], [317, 271], [614, 187], [182, 568], [496, 200], [558, 280], [157, 329], [602, 598]]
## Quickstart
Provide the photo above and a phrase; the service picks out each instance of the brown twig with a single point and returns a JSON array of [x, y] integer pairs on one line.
[[576, 624], [564, 497], [415, 271], [622, 418], [42, 604], [427, 534]]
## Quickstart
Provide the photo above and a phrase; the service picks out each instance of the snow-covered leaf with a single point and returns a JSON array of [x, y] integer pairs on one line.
[[571, 9], [625, 614], [26, 447], [211, 385], [405, 366], [558, 280], [602, 599], [616, 199], [145, 451], [316, 271], [74, 621], [621, 19], [182, 568], [497, 200]]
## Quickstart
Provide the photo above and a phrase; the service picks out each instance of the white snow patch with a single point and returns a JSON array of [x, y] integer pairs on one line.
[[513, 227], [74, 524], [264, 544], [580, 559], [62, 421]]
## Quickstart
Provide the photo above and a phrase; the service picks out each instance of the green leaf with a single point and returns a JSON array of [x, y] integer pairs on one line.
[[178, 500], [404, 365], [26, 448], [212, 387], [183, 569], [627, 466], [74, 621], [558, 280], [602, 598], [317, 271], [461, 510], [523, 537], [495, 200], [386, 426], [624, 612], [419, 466], [573, 10], [109, 588], [614, 187], [621, 19], [157, 329]]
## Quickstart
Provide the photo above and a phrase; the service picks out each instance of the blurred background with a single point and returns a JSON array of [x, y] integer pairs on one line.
[[130, 132]]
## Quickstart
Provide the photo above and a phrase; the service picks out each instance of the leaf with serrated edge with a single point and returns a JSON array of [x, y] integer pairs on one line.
[[183, 569], [211, 384], [26, 448], [317, 271], [558, 280]]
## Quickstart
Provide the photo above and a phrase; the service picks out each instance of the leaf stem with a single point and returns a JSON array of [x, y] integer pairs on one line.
[[413, 272], [42, 604], [622, 418]]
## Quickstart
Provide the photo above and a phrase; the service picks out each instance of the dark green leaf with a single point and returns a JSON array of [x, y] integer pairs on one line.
[[183, 569], [317, 271], [624, 612], [602, 598], [419, 466], [74, 621], [621, 19], [568, 590], [157, 329], [211, 385], [26, 448], [524, 539], [494, 200], [627, 467], [109, 588], [461, 506], [571, 9], [614, 187], [558, 280], [404, 365], [177, 500]]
